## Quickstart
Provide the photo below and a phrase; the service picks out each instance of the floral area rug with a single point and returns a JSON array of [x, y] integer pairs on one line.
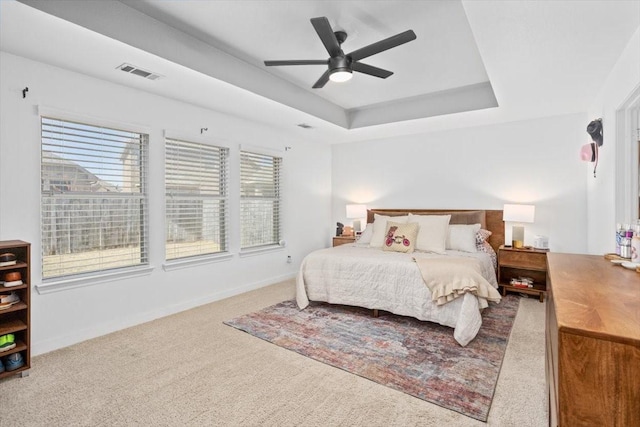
[[418, 358]]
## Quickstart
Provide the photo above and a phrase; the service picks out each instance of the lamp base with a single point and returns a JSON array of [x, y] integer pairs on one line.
[[517, 236]]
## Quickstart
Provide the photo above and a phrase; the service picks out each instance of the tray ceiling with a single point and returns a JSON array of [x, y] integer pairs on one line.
[[473, 62]]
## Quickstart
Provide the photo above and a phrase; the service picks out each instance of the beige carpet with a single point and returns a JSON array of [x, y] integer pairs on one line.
[[190, 369]]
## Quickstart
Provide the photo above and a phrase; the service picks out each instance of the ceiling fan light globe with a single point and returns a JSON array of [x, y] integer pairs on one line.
[[340, 76]]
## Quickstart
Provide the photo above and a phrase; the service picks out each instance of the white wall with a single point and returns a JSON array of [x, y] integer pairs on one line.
[[534, 162], [68, 316], [623, 80], [484, 167]]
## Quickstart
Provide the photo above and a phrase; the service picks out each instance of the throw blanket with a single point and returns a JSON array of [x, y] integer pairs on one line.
[[447, 279]]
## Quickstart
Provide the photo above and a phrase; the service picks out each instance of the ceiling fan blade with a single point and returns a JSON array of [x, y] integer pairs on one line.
[[297, 62], [322, 80], [382, 45], [370, 70], [323, 28]]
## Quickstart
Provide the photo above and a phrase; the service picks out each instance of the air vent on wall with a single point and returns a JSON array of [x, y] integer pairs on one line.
[[132, 69]]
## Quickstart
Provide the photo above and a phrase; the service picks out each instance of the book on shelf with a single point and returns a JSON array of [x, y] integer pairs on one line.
[[521, 285], [521, 282]]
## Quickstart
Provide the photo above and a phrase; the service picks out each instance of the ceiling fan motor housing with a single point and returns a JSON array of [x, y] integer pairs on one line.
[[340, 63]]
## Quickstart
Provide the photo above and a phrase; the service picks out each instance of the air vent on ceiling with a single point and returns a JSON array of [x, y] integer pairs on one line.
[[132, 69]]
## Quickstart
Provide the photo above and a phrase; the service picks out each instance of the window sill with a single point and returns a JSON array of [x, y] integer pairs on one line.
[[55, 285], [189, 262], [260, 250]]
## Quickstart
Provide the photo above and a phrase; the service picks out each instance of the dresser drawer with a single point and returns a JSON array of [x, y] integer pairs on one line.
[[523, 259]]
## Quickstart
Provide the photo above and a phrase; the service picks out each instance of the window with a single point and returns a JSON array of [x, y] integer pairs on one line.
[[93, 198], [627, 188], [196, 199], [259, 200]]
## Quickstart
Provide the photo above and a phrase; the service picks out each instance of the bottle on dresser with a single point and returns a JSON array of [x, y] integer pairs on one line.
[[625, 245], [619, 235], [628, 241]]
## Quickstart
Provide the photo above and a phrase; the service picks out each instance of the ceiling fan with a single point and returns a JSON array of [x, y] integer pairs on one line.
[[340, 66]]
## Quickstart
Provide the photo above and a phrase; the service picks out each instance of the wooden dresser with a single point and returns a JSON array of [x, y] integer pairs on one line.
[[592, 342]]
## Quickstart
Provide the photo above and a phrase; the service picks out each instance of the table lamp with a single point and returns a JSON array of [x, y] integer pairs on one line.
[[356, 212], [518, 214]]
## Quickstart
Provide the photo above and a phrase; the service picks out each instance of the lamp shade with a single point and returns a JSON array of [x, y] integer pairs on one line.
[[356, 211], [518, 213]]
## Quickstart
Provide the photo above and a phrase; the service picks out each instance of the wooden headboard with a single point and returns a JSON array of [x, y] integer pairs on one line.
[[488, 219]]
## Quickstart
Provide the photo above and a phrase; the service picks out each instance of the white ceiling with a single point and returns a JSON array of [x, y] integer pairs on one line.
[[444, 52], [539, 58]]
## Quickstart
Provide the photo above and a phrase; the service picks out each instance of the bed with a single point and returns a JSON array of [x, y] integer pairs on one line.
[[376, 278]]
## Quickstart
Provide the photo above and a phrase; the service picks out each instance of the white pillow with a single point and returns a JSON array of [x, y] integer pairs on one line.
[[380, 228], [434, 229], [462, 237], [365, 237]]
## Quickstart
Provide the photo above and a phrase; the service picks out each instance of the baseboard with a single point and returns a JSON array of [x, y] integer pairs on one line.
[[75, 337]]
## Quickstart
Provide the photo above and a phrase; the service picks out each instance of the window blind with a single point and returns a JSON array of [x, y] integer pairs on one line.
[[93, 198], [196, 198], [259, 200]]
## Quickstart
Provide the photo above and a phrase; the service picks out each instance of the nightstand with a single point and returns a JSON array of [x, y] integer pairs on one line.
[[523, 262], [343, 240]]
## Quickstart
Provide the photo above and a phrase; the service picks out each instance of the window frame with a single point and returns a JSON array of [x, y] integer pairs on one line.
[[223, 196], [277, 241], [70, 279]]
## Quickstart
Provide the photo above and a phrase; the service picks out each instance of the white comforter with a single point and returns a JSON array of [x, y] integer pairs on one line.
[[391, 281]]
